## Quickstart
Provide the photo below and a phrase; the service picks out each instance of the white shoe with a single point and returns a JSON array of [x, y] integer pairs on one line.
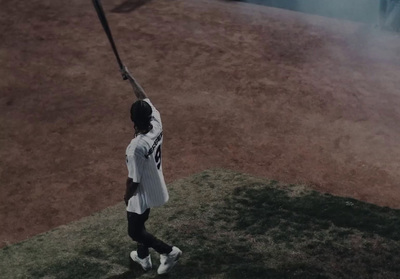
[[145, 263], [168, 261]]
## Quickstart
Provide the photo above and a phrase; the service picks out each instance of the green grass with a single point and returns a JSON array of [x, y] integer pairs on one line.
[[229, 225]]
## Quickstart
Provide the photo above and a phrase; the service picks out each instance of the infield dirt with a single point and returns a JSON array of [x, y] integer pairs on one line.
[[273, 93]]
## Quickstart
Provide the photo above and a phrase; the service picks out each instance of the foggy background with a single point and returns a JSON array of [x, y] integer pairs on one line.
[[366, 11]]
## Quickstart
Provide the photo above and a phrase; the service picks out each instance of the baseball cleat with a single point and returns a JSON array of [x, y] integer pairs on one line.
[[168, 261], [145, 263]]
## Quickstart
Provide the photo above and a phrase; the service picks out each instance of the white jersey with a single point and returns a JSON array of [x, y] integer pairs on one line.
[[143, 159]]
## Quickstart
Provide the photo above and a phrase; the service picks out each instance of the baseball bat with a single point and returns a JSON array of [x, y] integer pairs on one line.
[[102, 17]]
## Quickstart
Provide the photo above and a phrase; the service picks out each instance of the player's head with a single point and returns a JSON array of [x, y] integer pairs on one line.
[[141, 115]]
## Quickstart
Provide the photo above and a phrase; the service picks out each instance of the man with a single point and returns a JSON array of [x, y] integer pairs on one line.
[[145, 185]]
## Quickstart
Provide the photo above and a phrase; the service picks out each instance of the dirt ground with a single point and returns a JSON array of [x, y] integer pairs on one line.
[[269, 92]]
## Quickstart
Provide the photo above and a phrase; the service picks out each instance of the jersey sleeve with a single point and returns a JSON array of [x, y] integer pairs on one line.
[[134, 163], [155, 114]]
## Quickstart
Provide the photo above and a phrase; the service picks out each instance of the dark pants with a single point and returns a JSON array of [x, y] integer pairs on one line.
[[137, 231]]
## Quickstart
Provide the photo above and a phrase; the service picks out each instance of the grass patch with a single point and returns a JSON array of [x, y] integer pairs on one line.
[[229, 225]]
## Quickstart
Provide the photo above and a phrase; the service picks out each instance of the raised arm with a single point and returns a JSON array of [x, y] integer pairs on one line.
[[139, 92]]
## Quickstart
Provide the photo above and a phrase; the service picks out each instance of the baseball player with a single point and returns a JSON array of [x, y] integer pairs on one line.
[[145, 185]]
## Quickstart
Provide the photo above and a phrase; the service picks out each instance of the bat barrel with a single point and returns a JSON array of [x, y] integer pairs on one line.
[[102, 17]]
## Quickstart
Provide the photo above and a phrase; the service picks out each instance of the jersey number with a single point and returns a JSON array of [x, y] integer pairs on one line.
[[157, 157]]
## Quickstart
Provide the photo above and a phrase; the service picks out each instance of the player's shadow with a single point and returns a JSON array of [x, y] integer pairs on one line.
[[135, 271], [129, 6]]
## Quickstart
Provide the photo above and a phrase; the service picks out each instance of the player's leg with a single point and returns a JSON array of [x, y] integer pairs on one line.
[[169, 255], [142, 250], [137, 231], [141, 255]]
